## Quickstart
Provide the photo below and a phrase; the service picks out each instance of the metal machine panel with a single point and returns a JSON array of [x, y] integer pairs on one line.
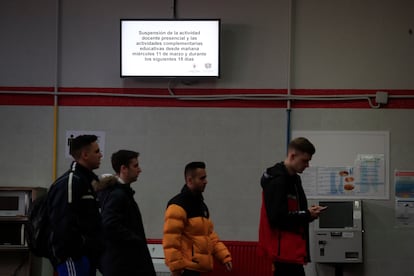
[[338, 234]]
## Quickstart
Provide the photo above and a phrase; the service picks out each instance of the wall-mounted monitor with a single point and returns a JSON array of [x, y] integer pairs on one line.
[[170, 48]]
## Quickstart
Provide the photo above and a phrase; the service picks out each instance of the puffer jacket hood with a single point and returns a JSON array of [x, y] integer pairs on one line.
[[105, 181]]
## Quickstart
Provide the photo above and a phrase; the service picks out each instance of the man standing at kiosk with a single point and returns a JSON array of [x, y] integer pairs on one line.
[[285, 216]]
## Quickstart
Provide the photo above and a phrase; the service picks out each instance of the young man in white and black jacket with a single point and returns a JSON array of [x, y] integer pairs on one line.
[[75, 240]]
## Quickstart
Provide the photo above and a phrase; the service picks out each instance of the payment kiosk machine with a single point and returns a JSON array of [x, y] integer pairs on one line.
[[338, 232]]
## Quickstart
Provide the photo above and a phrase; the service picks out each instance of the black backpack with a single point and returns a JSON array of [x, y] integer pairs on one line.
[[38, 227]]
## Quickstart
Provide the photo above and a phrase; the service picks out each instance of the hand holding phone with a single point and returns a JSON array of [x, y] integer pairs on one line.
[[315, 210], [322, 208]]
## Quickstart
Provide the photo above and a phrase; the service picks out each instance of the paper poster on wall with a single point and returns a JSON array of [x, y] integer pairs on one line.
[[71, 134], [328, 181], [364, 180], [347, 164], [370, 173], [404, 198]]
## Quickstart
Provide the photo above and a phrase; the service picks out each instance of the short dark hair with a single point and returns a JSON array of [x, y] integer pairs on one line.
[[302, 144], [191, 167], [79, 143], [122, 157]]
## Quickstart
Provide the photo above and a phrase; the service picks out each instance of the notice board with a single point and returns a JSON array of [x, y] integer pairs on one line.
[[347, 164]]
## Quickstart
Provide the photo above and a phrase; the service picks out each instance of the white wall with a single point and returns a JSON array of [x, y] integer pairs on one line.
[[336, 45]]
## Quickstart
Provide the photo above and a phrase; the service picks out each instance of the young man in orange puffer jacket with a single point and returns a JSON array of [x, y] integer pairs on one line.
[[189, 240]]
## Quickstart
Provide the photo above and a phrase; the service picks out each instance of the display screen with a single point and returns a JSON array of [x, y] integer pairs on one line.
[[339, 214], [9, 203], [170, 48]]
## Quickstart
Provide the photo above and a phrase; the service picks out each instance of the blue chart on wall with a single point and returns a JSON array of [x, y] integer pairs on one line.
[[347, 164]]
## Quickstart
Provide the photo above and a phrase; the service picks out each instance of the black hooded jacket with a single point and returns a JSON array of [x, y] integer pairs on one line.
[[126, 251], [278, 187]]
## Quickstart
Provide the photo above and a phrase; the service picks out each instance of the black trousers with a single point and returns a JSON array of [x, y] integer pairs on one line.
[[287, 269], [190, 273]]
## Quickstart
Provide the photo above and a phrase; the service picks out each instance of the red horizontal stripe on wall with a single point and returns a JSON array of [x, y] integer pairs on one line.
[[26, 100], [166, 102], [31, 96], [177, 91], [393, 103], [85, 96], [27, 88], [145, 102]]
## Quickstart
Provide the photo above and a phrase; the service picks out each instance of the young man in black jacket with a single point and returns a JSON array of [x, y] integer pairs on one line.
[[285, 215], [75, 241], [126, 251]]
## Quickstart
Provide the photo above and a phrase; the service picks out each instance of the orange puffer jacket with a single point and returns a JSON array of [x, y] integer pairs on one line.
[[189, 240]]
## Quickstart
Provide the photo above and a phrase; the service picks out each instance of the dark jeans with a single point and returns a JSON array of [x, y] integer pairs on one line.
[[287, 269], [190, 273]]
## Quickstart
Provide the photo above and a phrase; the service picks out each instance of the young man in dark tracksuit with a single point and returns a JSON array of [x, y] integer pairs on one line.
[[285, 216], [75, 240], [126, 251]]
